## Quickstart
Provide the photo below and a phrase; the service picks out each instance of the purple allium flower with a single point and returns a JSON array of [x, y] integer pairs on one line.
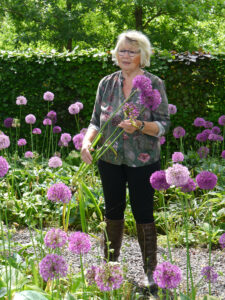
[[22, 142], [29, 154], [21, 100], [203, 152], [206, 180], [172, 109], [130, 111], [53, 266], [201, 137], [52, 115], [55, 238], [143, 157], [116, 120], [149, 98], [79, 243], [222, 241], [30, 119], [57, 129], [65, 138], [90, 275], [74, 109], [199, 122], [78, 140], [167, 276], [4, 166], [209, 274], [36, 131], [179, 132], [177, 175], [221, 120], [216, 130], [223, 154], [208, 124], [158, 180], [55, 162], [177, 156], [59, 192], [47, 122], [4, 141], [162, 140], [189, 186], [81, 106], [48, 96], [215, 137], [109, 277], [8, 122]]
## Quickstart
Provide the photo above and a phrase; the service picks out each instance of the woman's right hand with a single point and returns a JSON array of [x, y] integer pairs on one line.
[[85, 152]]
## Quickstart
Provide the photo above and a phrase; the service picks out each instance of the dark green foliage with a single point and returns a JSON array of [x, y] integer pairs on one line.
[[194, 83]]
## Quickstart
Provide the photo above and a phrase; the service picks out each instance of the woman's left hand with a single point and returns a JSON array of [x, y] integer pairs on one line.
[[127, 126]]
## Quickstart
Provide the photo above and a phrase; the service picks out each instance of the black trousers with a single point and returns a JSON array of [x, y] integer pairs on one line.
[[115, 178]]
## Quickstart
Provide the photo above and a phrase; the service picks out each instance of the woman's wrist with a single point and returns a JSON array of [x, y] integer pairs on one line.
[[140, 125]]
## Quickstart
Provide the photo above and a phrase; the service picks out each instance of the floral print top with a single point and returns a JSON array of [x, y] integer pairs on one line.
[[137, 149]]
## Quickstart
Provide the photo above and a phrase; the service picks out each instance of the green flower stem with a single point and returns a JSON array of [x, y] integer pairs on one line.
[[210, 242], [67, 216], [64, 216], [167, 232], [82, 274], [31, 137], [77, 122]]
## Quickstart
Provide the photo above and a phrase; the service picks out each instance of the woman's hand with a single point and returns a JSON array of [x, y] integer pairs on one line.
[[85, 152], [127, 126]]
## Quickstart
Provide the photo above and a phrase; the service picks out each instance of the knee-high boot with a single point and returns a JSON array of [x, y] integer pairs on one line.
[[147, 239], [114, 230]]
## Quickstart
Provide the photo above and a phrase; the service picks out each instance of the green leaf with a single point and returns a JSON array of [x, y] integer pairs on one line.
[[29, 295]]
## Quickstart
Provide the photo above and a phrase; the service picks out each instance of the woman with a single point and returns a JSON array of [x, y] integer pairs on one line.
[[136, 152]]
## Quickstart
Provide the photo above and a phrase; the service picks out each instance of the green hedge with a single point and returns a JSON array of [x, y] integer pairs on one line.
[[194, 82]]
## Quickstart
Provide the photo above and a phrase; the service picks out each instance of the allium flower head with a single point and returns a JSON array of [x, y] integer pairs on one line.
[[199, 122], [65, 138], [177, 156], [36, 131], [30, 119], [179, 132], [206, 180], [109, 277], [29, 154], [167, 276], [80, 104], [90, 275], [52, 115], [74, 109], [53, 266], [203, 152], [57, 129], [208, 124], [203, 136], [221, 120], [222, 241], [162, 140], [177, 175], [158, 180], [4, 141], [78, 140], [47, 122], [223, 154], [189, 186], [4, 166], [79, 242], [130, 111], [216, 130], [48, 96], [8, 122], [55, 238], [59, 192], [55, 162], [21, 100], [215, 137], [209, 274], [172, 109], [21, 142]]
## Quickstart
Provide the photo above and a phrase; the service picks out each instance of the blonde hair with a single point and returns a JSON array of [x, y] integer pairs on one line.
[[138, 39]]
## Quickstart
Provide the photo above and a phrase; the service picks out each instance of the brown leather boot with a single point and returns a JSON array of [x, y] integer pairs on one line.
[[147, 239], [114, 229]]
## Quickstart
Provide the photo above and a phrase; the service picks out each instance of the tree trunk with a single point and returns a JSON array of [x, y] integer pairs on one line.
[[138, 13]]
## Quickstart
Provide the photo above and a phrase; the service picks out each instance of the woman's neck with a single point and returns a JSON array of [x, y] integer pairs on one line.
[[129, 75]]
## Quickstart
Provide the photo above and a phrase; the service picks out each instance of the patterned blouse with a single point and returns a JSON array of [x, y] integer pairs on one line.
[[137, 149]]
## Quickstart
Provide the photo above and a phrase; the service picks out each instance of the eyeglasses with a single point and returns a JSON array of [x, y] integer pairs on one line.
[[130, 53]]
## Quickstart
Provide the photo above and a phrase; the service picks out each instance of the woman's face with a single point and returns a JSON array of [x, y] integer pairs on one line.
[[126, 61]]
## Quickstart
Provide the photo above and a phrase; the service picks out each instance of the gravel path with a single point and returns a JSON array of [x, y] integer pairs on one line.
[[131, 258]]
